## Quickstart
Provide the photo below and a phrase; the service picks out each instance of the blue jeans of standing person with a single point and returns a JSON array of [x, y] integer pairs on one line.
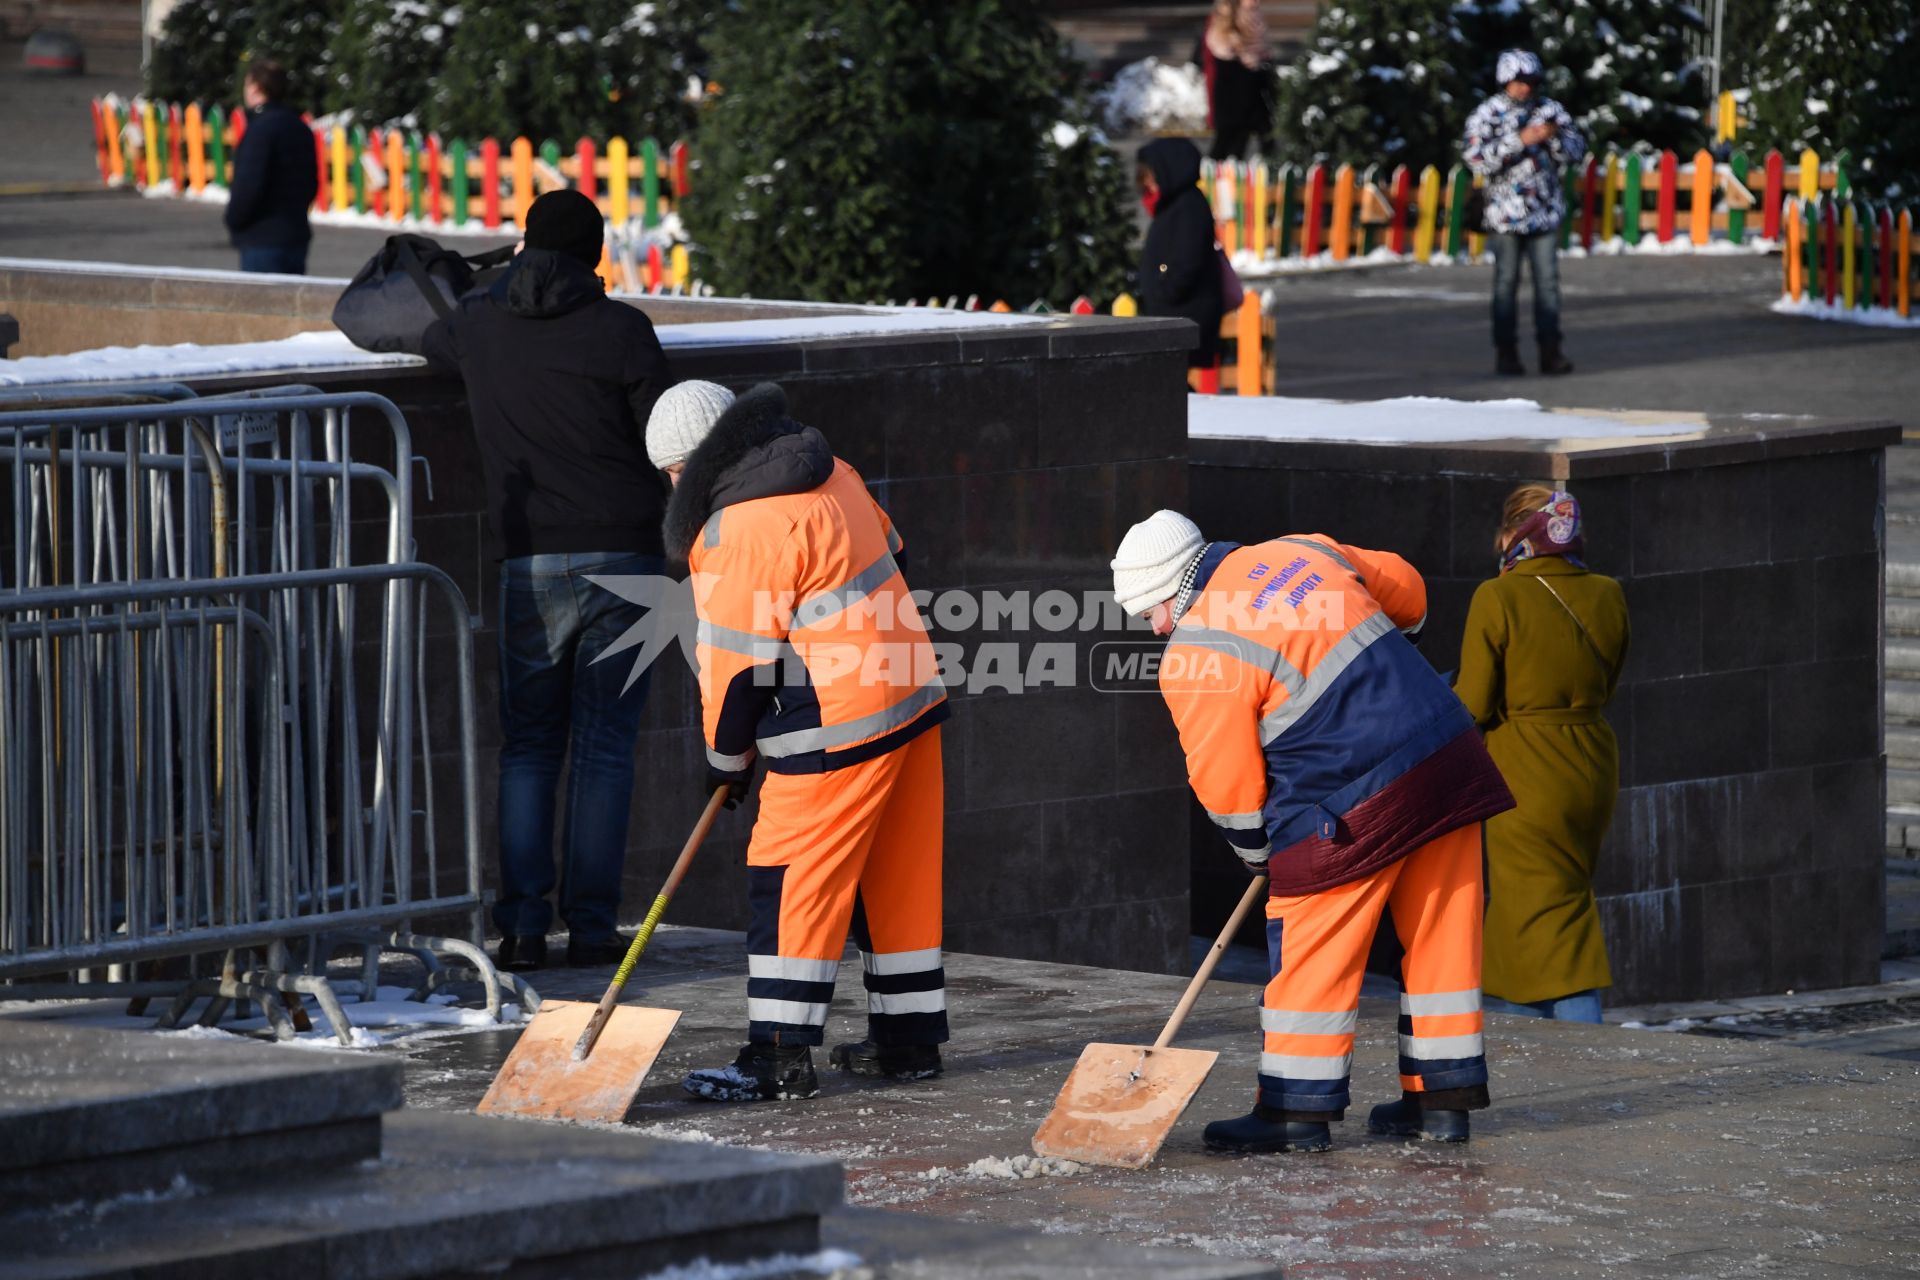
[[1581, 1006], [278, 259], [1541, 254], [557, 703]]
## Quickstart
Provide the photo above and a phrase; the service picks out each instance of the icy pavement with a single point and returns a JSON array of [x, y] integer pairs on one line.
[[1607, 1151]]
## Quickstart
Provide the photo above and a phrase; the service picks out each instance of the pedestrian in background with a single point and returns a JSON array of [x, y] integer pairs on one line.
[[1180, 273], [1233, 53], [275, 178], [1519, 141], [561, 379], [1544, 646]]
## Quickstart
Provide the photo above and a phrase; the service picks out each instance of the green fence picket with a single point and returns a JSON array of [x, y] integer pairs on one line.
[[1737, 218], [1458, 183], [1842, 180], [357, 161], [217, 145], [1630, 202], [1289, 186], [649, 183], [457, 155], [1811, 242], [416, 174]]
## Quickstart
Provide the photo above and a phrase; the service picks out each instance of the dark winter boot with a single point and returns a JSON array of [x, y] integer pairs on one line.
[[762, 1073], [1266, 1131], [1506, 362], [521, 953], [889, 1061], [1553, 360], [1406, 1119]]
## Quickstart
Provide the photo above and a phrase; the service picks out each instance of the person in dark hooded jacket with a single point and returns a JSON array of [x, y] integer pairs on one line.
[[560, 380], [1179, 269], [275, 178]]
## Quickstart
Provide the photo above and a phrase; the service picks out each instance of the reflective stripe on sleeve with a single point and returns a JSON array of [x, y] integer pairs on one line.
[[816, 609], [710, 535], [1237, 821], [1250, 651], [746, 643], [1327, 551], [1331, 664], [729, 764]]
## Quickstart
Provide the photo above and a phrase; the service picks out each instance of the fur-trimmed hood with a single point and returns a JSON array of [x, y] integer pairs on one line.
[[754, 451]]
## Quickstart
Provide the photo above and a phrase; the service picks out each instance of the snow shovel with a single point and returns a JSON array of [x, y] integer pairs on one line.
[[577, 1061], [1122, 1099]]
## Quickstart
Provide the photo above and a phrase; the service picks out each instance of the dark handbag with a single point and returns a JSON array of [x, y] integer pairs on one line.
[[1474, 212], [1232, 292], [405, 287]]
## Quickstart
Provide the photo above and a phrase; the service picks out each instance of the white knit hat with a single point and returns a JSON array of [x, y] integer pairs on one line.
[[681, 419], [1152, 556]]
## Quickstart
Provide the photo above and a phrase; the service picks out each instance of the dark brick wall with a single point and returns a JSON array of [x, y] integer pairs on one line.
[[1008, 463], [1745, 854]]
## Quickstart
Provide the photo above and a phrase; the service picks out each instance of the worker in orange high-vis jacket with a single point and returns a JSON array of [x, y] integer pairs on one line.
[[1336, 762], [814, 658]]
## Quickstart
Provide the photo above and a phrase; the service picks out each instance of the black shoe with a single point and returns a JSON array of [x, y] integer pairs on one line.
[[1406, 1119], [762, 1073], [1263, 1132], [1553, 360], [521, 953], [1506, 362], [594, 953], [891, 1061]]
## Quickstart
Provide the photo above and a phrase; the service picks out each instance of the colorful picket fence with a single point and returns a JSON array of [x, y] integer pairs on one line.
[[397, 175], [1849, 253], [1338, 214]]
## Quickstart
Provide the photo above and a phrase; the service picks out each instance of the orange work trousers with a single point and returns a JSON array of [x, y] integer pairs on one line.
[[1317, 945], [854, 848]]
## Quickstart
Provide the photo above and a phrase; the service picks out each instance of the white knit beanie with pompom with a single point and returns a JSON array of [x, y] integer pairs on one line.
[[1152, 556]]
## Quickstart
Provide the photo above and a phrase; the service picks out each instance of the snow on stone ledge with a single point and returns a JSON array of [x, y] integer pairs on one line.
[[1408, 420], [327, 349]]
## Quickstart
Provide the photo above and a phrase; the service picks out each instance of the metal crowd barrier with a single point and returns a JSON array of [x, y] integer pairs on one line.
[[215, 726]]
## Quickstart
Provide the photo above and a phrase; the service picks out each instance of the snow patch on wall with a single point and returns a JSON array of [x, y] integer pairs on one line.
[[1405, 420]]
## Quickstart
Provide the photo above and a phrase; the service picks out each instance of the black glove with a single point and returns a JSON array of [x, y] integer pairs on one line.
[[1251, 848], [737, 782]]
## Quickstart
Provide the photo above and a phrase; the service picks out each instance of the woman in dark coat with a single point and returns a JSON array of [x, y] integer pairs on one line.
[[1179, 270]]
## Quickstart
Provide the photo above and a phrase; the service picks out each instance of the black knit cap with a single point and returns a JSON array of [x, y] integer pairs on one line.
[[566, 222]]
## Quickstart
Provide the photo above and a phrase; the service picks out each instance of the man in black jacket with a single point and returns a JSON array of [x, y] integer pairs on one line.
[[1179, 269], [275, 178], [560, 379]]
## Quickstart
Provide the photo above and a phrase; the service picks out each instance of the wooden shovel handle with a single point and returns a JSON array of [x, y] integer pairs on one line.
[[644, 934], [1255, 891]]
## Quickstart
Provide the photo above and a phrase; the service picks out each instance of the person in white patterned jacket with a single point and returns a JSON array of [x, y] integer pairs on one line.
[[1520, 140]]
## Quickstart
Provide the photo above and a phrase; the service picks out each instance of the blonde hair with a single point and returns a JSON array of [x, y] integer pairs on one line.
[[1518, 509]]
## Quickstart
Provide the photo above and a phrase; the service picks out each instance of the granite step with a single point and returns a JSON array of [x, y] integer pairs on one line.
[[1903, 830], [1903, 578], [1903, 615], [1903, 786], [1902, 701], [1903, 746], [87, 1113], [1903, 658]]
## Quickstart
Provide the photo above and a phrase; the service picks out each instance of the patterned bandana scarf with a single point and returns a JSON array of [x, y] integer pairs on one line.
[[1553, 530]]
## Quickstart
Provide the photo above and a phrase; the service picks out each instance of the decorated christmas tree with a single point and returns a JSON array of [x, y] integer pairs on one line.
[[865, 151]]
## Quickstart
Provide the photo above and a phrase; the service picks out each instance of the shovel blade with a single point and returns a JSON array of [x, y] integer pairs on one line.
[[541, 1080], [1121, 1102]]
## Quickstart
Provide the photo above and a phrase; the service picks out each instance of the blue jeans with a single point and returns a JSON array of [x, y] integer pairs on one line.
[[1581, 1006], [278, 259], [556, 702], [1542, 258]]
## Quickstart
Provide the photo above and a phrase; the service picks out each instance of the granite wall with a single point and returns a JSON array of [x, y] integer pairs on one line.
[[1745, 854]]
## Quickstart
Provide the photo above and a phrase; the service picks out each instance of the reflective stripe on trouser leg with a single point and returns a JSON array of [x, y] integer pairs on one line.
[[1437, 905], [1317, 944], [810, 843], [898, 924]]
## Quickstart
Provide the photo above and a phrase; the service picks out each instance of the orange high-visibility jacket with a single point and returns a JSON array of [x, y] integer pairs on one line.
[[1314, 732], [811, 653]]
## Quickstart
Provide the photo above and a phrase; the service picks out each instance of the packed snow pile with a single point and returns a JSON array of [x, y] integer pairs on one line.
[[1009, 1168], [327, 348], [1820, 309], [1407, 420], [1151, 96], [833, 1264]]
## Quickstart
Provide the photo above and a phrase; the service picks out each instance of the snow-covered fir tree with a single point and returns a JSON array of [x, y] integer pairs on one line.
[[861, 151], [1627, 70], [1840, 74], [388, 55]]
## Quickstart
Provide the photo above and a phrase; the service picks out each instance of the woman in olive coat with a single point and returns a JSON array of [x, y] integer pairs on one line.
[[1545, 642]]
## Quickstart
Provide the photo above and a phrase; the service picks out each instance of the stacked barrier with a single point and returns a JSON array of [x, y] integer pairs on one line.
[[215, 736]]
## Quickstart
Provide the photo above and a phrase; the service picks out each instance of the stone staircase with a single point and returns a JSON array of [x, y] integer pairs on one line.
[[1903, 758]]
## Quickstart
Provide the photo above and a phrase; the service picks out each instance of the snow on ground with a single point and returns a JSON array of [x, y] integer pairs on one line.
[[1251, 268], [210, 194], [831, 1263], [1406, 420], [1819, 309], [438, 1014]]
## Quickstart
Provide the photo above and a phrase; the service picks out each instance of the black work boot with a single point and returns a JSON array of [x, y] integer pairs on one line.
[[762, 1073], [593, 953], [521, 953], [1506, 362], [1406, 1119], [890, 1061], [1553, 360], [1266, 1131]]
